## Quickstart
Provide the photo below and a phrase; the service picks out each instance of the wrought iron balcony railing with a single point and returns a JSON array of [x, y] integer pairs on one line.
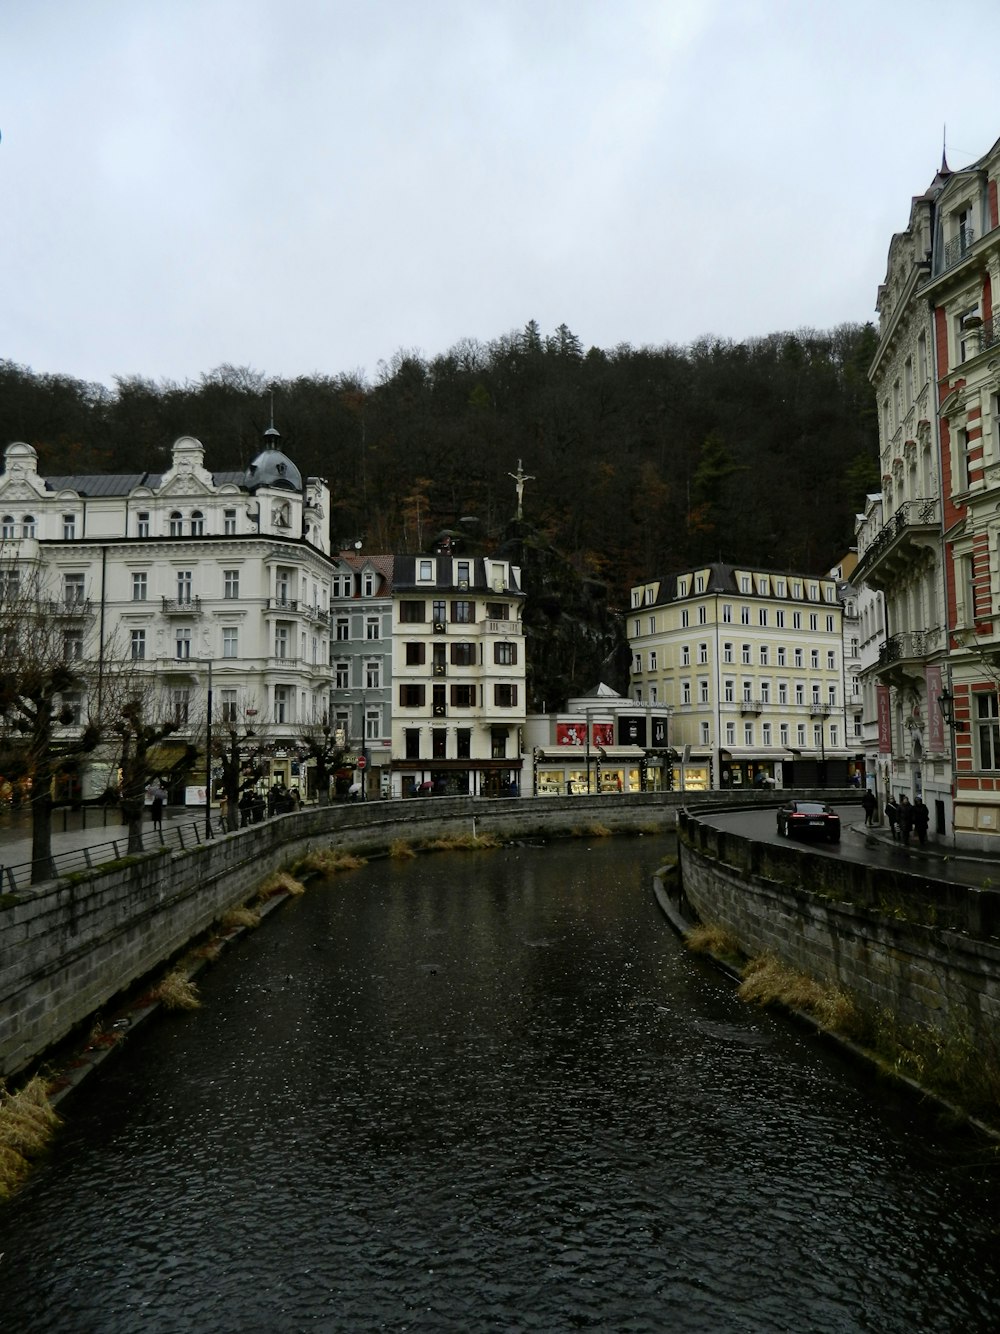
[[958, 247]]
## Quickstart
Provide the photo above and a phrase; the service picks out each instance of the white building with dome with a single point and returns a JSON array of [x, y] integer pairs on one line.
[[203, 579]]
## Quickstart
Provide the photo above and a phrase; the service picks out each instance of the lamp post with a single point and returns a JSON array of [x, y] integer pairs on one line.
[[208, 755]]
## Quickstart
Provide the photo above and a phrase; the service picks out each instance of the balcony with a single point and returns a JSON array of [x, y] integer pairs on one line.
[[68, 608], [504, 628], [958, 247], [818, 710], [282, 604], [903, 657], [916, 525], [751, 707], [181, 606]]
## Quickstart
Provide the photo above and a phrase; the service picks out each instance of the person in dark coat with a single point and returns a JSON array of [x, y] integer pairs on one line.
[[156, 807], [905, 818], [921, 819], [892, 815], [869, 803]]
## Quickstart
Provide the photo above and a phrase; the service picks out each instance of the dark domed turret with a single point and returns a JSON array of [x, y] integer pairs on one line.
[[272, 467]]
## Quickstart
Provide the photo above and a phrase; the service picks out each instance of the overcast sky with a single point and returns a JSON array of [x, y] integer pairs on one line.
[[307, 186]]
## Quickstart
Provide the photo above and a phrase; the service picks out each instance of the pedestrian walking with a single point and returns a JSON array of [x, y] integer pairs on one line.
[[892, 815], [921, 819], [905, 818], [156, 807], [869, 803]]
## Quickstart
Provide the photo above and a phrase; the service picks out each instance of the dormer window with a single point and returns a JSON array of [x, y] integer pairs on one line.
[[425, 570]]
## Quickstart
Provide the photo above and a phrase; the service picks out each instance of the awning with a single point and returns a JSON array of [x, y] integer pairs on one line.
[[166, 755]]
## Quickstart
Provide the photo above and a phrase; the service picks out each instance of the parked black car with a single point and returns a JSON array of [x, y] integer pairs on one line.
[[814, 819]]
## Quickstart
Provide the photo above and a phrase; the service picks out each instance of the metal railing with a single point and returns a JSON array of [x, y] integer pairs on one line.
[[176, 837]]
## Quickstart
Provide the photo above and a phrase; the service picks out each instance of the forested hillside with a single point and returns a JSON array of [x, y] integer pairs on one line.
[[641, 459]]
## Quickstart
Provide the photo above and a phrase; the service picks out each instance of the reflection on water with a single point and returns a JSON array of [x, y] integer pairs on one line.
[[492, 1092]]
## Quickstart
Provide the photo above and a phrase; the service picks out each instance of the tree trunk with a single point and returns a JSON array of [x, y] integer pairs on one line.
[[43, 866]]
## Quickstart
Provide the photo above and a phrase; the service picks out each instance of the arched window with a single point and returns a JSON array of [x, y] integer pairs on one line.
[[7, 528], [197, 523], [28, 526], [176, 524]]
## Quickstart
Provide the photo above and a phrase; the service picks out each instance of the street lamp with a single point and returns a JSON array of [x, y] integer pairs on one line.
[[946, 702], [208, 756]]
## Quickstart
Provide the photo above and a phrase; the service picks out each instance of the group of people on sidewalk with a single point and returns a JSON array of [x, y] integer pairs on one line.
[[904, 816]]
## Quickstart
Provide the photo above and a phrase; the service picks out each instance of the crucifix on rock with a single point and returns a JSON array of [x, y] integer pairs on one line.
[[520, 477]]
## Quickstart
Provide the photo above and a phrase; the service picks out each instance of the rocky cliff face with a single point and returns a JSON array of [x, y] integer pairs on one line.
[[573, 639]]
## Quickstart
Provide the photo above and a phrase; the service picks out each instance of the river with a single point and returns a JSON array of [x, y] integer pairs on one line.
[[492, 1091]]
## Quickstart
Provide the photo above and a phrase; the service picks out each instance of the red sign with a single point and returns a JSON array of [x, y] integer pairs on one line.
[[362, 762], [884, 720], [571, 734], [935, 722]]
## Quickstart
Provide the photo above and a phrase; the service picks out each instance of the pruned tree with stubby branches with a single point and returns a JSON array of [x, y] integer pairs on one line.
[[141, 724], [324, 744]]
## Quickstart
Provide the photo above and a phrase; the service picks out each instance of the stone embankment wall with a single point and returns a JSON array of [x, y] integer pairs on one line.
[[842, 924]]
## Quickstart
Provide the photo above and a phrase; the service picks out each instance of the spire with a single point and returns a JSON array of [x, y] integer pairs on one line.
[[945, 169]]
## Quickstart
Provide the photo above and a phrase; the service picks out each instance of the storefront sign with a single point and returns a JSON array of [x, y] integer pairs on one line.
[[935, 720], [884, 720], [631, 730], [571, 734]]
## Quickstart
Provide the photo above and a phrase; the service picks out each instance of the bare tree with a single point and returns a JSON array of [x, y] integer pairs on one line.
[[50, 697], [140, 727], [237, 747], [325, 745]]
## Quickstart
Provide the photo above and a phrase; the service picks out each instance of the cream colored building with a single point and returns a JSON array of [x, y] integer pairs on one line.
[[750, 664]]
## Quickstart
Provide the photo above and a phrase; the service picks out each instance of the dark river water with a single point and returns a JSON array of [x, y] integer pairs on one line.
[[493, 1092]]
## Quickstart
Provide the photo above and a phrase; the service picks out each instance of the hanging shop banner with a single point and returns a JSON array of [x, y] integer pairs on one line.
[[602, 734], [935, 720], [631, 730], [571, 734], [884, 720], [658, 727]]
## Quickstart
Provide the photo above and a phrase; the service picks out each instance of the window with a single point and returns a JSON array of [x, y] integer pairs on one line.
[[228, 705], [343, 628], [813, 621], [652, 694], [373, 724], [373, 674], [176, 524], [505, 696], [729, 688], [180, 699], [463, 696], [652, 625], [800, 693], [230, 584], [372, 626], [498, 611], [412, 696], [463, 574], [747, 692], [765, 692], [829, 624], [831, 660], [229, 523], [282, 703], [635, 628], [797, 658], [763, 655], [747, 657], [779, 619], [782, 734], [10, 585], [762, 616], [425, 569], [73, 589], [637, 663], [782, 692], [411, 737], [184, 586], [197, 523], [727, 613], [834, 735], [28, 526], [702, 616], [183, 642], [727, 653], [744, 583], [686, 655], [765, 734], [685, 692], [685, 619], [781, 655], [498, 743], [706, 735], [818, 735], [463, 612], [138, 645], [505, 655], [139, 587], [800, 734], [69, 527], [682, 588], [463, 654], [142, 523], [796, 620], [283, 579], [988, 730], [342, 673], [730, 734], [415, 654], [702, 690], [699, 584], [744, 615], [73, 645], [230, 641], [7, 528], [748, 734], [814, 658], [652, 659], [369, 584], [281, 639]]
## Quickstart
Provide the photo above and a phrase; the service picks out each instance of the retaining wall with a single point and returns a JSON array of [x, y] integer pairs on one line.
[[944, 974]]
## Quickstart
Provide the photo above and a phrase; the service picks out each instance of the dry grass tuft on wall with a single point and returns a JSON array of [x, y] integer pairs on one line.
[[27, 1124], [176, 991]]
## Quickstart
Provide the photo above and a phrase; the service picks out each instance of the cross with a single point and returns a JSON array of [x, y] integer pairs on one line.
[[520, 477]]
